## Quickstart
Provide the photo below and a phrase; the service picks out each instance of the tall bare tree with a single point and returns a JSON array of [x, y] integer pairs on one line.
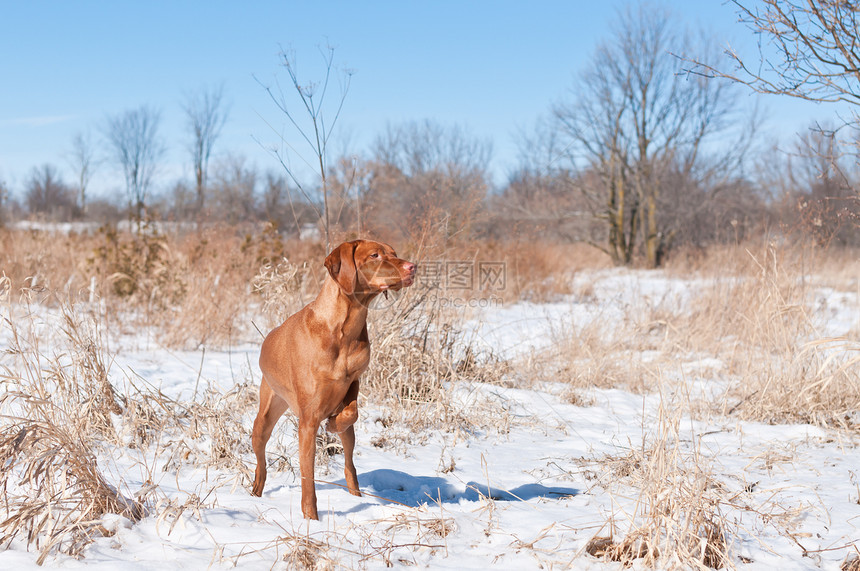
[[82, 159], [137, 149], [314, 118], [206, 113], [639, 126]]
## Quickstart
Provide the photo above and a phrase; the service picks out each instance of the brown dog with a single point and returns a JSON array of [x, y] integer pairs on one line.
[[312, 361]]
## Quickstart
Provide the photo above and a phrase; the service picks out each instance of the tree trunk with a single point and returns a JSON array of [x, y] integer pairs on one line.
[[652, 234]]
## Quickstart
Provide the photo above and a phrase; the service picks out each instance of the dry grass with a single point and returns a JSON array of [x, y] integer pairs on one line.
[[54, 410], [39, 260], [838, 267], [753, 309], [673, 506], [193, 289], [674, 519], [585, 357], [387, 541], [534, 270], [420, 354], [606, 348], [61, 412], [761, 322], [283, 288]]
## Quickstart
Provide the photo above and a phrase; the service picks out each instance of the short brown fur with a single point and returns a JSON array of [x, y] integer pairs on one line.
[[312, 362]]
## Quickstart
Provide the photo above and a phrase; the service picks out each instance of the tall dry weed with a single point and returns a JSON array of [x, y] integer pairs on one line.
[[283, 288], [585, 357], [44, 261], [762, 322], [419, 353], [211, 430], [225, 288], [674, 519], [56, 408], [142, 266]]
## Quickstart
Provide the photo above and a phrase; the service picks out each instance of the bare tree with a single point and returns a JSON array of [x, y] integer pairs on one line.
[[233, 190], [541, 195], [48, 195], [347, 181], [275, 193], [206, 114], [424, 173], [83, 162], [314, 120], [543, 203], [137, 149], [639, 126], [4, 200], [821, 201], [811, 50], [180, 201]]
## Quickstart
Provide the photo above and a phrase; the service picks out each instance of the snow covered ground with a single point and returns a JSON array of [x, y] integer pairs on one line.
[[529, 494]]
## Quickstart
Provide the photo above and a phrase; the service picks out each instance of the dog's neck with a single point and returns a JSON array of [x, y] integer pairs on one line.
[[342, 312]]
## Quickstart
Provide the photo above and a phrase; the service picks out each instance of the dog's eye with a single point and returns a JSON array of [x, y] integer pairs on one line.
[[374, 255]]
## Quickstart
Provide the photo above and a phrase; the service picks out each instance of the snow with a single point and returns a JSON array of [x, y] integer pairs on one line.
[[531, 493]]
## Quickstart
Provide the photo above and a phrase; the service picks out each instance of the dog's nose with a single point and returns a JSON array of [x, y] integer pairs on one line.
[[409, 266]]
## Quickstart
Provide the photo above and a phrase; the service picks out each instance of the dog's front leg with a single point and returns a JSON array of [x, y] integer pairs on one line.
[[271, 408], [347, 414], [307, 452], [342, 424], [347, 437]]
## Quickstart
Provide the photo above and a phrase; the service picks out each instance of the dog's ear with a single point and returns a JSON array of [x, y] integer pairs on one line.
[[341, 266]]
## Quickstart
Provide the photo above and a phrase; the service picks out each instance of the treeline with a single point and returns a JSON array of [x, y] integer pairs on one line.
[[424, 177], [643, 156]]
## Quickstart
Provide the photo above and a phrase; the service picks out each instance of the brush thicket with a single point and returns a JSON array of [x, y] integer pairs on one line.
[[762, 322], [57, 411], [419, 356], [667, 502]]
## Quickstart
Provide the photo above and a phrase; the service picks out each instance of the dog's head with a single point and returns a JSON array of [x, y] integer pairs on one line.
[[368, 267]]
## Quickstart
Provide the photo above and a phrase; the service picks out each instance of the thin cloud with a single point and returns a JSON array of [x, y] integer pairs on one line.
[[40, 121]]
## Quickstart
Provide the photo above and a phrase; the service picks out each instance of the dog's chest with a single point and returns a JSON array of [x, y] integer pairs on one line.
[[352, 361]]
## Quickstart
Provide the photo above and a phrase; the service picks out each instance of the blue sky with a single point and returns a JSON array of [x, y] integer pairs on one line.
[[492, 67]]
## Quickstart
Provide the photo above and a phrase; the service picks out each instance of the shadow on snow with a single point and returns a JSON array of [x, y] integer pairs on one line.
[[413, 491]]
